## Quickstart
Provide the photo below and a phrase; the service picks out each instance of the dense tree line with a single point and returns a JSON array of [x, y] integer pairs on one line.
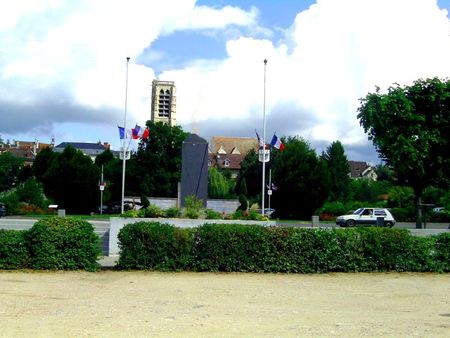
[[409, 127]]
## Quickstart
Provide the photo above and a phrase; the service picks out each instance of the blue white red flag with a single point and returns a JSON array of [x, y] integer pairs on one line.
[[276, 142]]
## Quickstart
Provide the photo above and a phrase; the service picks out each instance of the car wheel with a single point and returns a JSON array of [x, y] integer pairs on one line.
[[350, 223], [388, 224]]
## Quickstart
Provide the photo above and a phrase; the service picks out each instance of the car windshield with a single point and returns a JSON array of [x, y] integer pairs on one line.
[[358, 211]]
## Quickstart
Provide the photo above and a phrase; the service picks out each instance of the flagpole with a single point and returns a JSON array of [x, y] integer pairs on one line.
[[124, 139], [270, 188], [264, 145]]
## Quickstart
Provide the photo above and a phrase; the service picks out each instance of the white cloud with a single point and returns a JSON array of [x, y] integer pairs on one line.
[[337, 51]]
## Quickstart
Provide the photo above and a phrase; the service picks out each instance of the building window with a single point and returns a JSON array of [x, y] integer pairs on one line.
[[226, 163], [164, 104]]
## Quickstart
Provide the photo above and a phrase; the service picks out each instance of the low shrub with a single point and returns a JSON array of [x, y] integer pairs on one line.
[[192, 214], [154, 246], [212, 214], [404, 214], [63, 244], [442, 252], [173, 212], [131, 214], [13, 249], [152, 211]]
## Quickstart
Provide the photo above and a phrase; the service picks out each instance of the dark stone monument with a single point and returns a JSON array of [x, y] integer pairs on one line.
[[194, 169]]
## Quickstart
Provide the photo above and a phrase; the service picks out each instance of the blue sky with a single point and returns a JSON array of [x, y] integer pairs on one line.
[[62, 65]]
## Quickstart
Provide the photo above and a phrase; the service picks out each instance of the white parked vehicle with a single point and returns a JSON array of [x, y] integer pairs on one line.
[[366, 217]]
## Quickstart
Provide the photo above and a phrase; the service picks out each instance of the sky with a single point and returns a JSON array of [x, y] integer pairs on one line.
[[63, 65]]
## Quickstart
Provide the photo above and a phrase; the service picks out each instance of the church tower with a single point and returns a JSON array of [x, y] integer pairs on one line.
[[164, 102]]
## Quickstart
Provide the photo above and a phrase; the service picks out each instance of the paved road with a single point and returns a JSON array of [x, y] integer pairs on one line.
[[403, 225], [12, 222]]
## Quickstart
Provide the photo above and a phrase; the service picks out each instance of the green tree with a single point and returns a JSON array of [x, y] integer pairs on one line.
[[410, 128], [302, 180], [338, 169], [112, 175], [32, 192], [368, 191], [401, 197], [218, 185], [42, 162], [72, 181], [249, 179], [10, 168], [155, 169], [384, 173]]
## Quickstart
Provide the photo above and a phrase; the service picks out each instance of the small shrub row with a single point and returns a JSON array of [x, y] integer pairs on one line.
[[238, 247], [51, 244]]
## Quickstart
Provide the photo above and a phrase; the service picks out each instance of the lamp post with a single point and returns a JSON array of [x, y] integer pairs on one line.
[[124, 140], [264, 145]]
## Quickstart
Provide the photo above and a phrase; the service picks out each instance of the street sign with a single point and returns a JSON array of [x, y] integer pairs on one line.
[[127, 155], [264, 153]]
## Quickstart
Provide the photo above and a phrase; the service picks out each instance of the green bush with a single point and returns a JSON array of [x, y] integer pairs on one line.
[[404, 214], [63, 244], [132, 214], [154, 246], [13, 249], [240, 247], [193, 203], [11, 201], [442, 252], [212, 214], [152, 211], [173, 212], [387, 249], [230, 247], [192, 214]]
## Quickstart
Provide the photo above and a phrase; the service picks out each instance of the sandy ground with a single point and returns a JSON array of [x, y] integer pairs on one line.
[[141, 304]]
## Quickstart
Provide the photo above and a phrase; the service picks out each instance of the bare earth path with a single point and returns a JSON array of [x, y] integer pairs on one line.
[[140, 304]]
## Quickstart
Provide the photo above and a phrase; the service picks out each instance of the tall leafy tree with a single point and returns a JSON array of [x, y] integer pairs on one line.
[[10, 168], [42, 162], [112, 175], [155, 169], [410, 128], [72, 181], [338, 169], [302, 180], [219, 186], [249, 179]]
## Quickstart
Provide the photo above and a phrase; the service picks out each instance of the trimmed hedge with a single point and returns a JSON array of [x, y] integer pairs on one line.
[[13, 249], [253, 248], [154, 246], [63, 244], [53, 244]]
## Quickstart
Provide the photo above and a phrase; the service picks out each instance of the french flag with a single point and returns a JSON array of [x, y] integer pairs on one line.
[[276, 142]]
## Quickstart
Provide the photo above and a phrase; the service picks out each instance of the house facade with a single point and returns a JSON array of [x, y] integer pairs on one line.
[[228, 152], [359, 169], [26, 150], [89, 149]]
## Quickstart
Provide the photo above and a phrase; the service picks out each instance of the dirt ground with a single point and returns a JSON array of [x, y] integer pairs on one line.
[[140, 304]]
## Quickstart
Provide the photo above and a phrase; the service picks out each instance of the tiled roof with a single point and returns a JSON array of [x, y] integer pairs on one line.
[[233, 160], [81, 145], [242, 144], [358, 168]]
